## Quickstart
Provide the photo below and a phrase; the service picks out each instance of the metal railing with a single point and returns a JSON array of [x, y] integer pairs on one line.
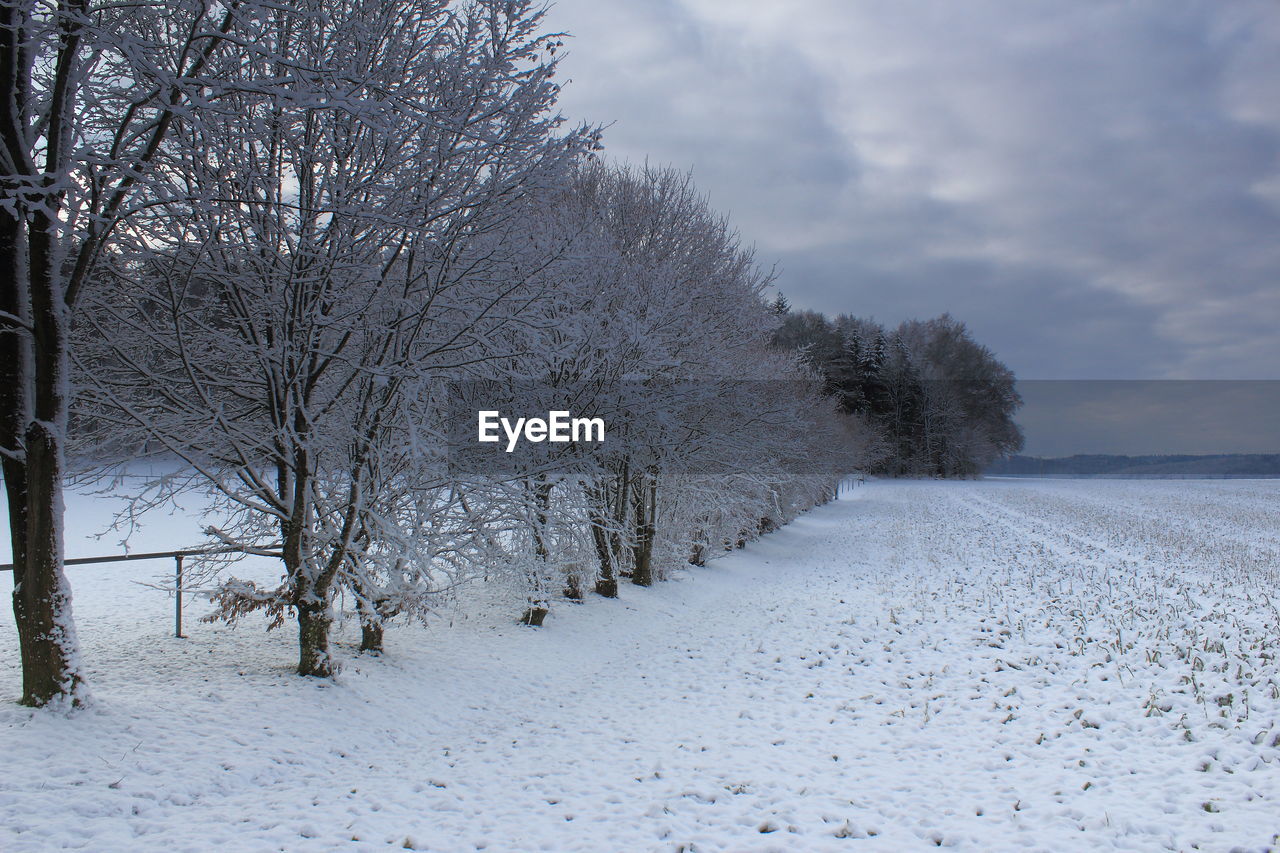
[[176, 556]]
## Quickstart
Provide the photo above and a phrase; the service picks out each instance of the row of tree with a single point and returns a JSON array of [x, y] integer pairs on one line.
[[940, 403], [282, 248]]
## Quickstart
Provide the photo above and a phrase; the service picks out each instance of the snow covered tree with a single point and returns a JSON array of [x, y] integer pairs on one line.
[[331, 255], [90, 93], [703, 392]]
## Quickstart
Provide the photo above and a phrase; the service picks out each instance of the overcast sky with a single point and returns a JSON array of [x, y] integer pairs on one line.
[[1093, 186]]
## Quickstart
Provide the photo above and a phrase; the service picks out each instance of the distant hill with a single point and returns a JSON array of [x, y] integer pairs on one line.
[[1097, 465]]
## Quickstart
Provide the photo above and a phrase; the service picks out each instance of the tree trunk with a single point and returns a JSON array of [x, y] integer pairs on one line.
[[534, 616], [646, 498], [42, 597], [573, 586], [622, 502], [310, 598], [371, 608], [371, 621], [607, 583], [538, 604], [699, 555], [371, 636], [607, 587], [41, 594], [34, 375], [32, 607], [314, 620], [541, 490]]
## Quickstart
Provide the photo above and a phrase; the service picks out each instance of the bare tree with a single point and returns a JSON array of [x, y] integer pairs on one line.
[[332, 254], [89, 94], [670, 312]]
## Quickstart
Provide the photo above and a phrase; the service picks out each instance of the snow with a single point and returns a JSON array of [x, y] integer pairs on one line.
[[992, 665]]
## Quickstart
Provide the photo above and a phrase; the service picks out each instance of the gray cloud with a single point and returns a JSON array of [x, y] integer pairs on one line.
[[1040, 320], [1093, 186], [748, 119]]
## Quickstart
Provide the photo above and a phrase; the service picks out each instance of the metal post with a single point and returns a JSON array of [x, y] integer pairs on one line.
[[177, 607]]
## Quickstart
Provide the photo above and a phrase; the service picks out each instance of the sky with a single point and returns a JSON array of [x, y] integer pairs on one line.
[[1092, 186], [1139, 417]]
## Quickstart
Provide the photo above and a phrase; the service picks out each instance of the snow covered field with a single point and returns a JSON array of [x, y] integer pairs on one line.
[[995, 665]]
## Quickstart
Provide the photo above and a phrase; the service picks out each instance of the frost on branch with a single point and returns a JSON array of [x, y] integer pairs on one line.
[[235, 598]]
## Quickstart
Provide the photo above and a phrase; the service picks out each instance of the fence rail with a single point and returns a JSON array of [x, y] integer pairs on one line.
[[176, 556]]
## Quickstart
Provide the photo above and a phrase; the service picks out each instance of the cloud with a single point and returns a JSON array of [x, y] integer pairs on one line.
[[748, 119], [1092, 186]]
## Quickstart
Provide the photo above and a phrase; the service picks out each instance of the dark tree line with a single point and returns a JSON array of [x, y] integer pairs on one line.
[[940, 402]]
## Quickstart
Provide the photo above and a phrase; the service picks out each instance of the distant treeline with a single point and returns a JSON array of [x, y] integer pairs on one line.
[[1172, 466], [940, 403]]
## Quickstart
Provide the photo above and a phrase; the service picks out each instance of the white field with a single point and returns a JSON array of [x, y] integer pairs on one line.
[[1001, 665]]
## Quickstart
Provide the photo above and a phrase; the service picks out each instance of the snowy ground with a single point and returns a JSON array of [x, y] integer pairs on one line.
[[998, 665]]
